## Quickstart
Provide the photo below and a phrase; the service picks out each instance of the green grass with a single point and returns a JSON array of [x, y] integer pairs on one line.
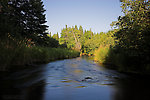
[[25, 55], [115, 59], [121, 60], [101, 54]]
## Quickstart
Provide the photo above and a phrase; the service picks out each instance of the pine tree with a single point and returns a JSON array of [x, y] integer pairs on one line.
[[23, 19], [34, 20], [7, 24]]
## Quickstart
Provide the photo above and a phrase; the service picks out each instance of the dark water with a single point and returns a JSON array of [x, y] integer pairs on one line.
[[72, 79]]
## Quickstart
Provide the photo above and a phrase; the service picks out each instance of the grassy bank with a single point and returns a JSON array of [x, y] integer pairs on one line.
[[31, 55], [101, 54], [121, 60]]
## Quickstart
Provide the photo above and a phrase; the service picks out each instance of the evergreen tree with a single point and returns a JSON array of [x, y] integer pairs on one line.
[[23, 19], [34, 20], [7, 17]]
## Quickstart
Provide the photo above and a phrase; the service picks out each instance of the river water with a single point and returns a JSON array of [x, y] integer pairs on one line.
[[72, 79]]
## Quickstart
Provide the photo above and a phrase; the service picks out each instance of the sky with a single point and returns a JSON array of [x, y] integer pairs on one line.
[[94, 14]]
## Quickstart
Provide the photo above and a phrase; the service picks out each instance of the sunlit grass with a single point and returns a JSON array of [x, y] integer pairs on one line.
[[101, 54], [30, 55]]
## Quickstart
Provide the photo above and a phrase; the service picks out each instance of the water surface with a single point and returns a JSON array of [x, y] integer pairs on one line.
[[72, 79]]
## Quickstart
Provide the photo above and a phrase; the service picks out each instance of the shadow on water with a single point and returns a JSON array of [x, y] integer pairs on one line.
[[27, 84], [72, 79], [132, 89]]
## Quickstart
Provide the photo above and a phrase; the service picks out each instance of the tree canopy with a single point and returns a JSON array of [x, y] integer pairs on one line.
[[23, 19]]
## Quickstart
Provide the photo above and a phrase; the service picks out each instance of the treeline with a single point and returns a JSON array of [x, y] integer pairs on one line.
[[23, 36], [126, 47], [85, 41]]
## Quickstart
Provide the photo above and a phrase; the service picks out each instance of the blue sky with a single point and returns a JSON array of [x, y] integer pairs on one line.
[[94, 14]]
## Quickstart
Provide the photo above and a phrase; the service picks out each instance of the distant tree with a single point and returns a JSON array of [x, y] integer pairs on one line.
[[88, 34], [49, 35], [81, 38], [99, 40], [71, 37], [56, 36]]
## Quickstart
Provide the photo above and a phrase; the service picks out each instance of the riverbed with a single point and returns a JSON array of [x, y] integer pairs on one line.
[[72, 79]]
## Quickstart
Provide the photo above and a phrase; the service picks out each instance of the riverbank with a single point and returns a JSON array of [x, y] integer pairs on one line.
[[31, 55], [121, 62]]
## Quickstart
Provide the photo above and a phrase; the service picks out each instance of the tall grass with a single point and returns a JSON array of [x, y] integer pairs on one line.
[[101, 54], [121, 60], [116, 59], [29, 55]]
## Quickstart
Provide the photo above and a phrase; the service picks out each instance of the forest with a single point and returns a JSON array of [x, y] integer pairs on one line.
[[125, 47], [24, 38]]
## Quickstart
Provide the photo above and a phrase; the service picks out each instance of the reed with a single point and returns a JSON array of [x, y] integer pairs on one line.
[[31, 55]]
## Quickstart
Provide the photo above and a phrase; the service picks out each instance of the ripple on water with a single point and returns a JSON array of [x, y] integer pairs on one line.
[[55, 86], [80, 86], [107, 83], [69, 81]]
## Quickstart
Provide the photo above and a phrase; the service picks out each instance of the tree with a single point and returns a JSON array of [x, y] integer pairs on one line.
[[7, 23], [88, 34], [133, 35], [134, 26], [49, 35], [56, 36], [23, 19], [34, 20], [99, 40], [71, 37]]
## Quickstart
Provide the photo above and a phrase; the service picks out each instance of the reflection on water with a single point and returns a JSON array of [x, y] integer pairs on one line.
[[77, 71], [72, 79]]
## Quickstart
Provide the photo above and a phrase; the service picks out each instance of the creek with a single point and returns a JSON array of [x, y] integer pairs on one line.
[[72, 79]]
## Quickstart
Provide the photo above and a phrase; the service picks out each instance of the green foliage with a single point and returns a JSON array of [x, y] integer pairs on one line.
[[24, 40], [23, 36], [105, 42], [23, 19], [71, 37], [135, 24], [101, 54], [22, 55], [131, 53], [97, 40], [56, 36], [85, 41], [49, 35]]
